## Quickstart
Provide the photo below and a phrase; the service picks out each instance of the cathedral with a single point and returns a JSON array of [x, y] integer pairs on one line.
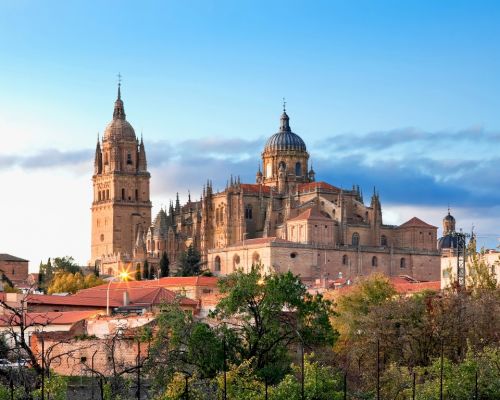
[[286, 220]]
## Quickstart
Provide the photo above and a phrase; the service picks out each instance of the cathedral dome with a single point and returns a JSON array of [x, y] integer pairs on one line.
[[119, 127], [285, 139], [448, 242]]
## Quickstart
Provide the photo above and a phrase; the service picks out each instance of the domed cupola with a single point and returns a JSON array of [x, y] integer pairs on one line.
[[449, 241], [285, 139], [119, 128], [285, 154]]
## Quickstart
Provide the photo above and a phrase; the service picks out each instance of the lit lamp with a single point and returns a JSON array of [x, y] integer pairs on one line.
[[123, 276]]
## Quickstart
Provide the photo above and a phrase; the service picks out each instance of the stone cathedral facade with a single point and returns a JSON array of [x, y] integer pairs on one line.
[[286, 220]]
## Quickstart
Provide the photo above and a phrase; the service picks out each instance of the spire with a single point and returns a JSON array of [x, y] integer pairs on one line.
[[98, 157], [119, 112], [142, 163], [285, 123]]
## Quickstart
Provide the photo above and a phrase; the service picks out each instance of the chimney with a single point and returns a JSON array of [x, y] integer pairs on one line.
[[126, 299]]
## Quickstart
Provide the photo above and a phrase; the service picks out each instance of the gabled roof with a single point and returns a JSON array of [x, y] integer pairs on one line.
[[307, 187], [416, 223], [8, 257], [48, 318], [255, 188], [311, 213]]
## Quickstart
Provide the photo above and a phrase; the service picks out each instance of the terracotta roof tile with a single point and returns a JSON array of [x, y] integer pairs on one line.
[[8, 257], [255, 188], [311, 213], [306, 187], [48, 318], [416, 223]]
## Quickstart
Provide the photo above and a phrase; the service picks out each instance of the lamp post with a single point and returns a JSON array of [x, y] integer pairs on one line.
[[123, 276]]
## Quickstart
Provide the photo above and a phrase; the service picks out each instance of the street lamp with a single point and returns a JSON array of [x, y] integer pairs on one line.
[[123, 276]]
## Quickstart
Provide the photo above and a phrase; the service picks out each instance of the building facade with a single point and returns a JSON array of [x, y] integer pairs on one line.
[[286, 220], [121, 206]]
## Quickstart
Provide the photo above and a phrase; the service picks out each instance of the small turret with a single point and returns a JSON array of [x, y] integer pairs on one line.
[[98, 158], [142, 164], [312, 174]]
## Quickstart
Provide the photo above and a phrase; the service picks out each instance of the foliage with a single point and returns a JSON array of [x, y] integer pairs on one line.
[[145, 270], [151, 272], [182, 343], [138, 275], [355, 305], [5, 393], [164, 264], [320, 383], [241, 382], [176, 389], [67, 282], [189, 262], [268, 314], [480, 275], [66, 264], [55, 388]]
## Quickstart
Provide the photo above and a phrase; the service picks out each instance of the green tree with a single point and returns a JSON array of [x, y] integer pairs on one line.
[[145, 270], [320, 383], [96, 270], [189, 262], [66, 264], [480, 275], [272, 313], [164, 264], [138, 275]]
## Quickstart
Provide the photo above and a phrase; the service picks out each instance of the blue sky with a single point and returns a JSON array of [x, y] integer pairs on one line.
[[398, 95]]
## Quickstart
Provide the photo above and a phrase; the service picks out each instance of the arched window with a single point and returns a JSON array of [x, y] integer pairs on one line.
[[383, 240], [236, 261], [355, 239], [136, 195], [269, 170], [217, 264], [255, 258], [402, 263], [248, 211], [99, 195], [129, 159], [345, 259], [298, 169], [107, 194], [374, 261], [123, 194]]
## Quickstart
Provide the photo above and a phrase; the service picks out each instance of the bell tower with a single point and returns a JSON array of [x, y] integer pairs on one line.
[[121, 203]]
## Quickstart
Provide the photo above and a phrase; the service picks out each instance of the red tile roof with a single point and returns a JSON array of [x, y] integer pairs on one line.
[[70, 300], [405, 286], [311, 213], [306, 187], [48, 318], [255, 188], [416, 223], [164, 282]]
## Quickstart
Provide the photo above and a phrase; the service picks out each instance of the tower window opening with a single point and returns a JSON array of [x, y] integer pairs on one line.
[[374, 261], [383, 240], [355, 239], [345, 259], [99, 195], [107, 194], [248, 211], [136, 195], [298, 169], [217, 264], [402, 263], [129, 159], [123, 194]]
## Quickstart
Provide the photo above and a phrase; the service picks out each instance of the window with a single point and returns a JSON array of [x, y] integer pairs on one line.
[[374, 261], [355, 239], [255, 258], [269, 170], [129, 159], [123, 194], [107, 194], [248, 211], [99, 196], [217, 264], [136, 195], [345, 259], [282, 165], [293, 255], [298, 169], [83, 359], [236, 261], [402, 263], [383, 240]]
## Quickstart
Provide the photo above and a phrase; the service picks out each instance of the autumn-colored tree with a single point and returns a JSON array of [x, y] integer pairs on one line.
[[67, 282]]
